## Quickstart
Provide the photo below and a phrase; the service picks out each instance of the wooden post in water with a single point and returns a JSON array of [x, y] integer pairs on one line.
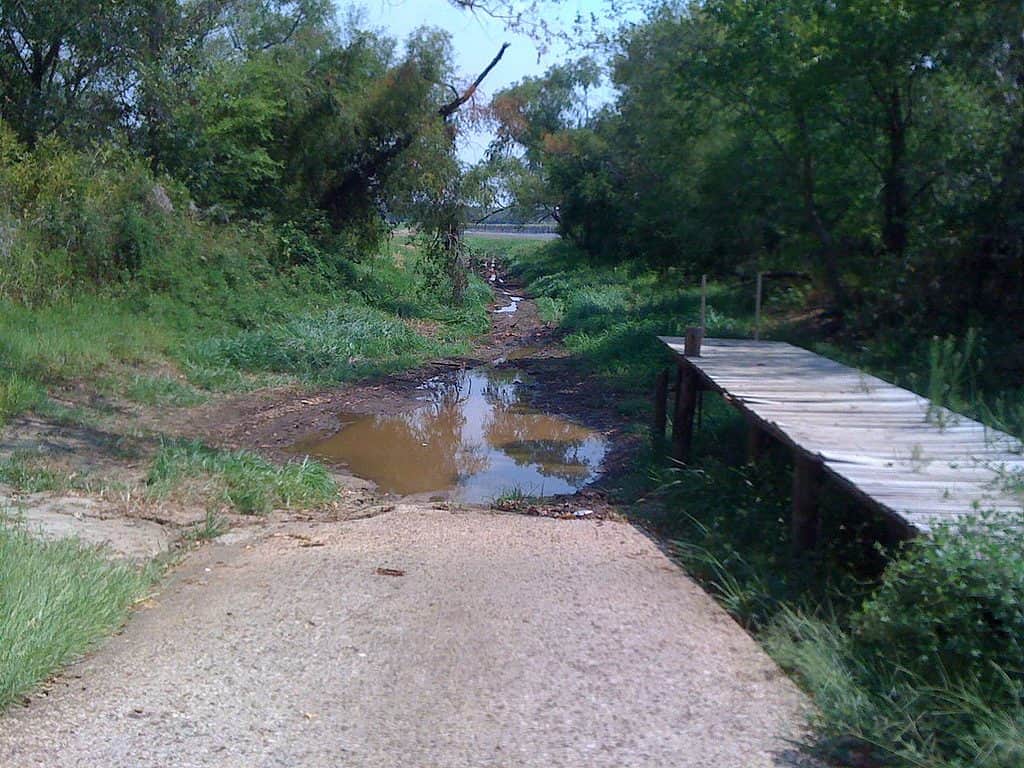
[[806, 521], [686, 407], [660, 411]]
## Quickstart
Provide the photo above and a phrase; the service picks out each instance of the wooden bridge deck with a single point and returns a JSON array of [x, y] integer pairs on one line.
[[917, 464]]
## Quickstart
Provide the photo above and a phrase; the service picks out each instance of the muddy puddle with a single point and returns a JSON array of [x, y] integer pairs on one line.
[[473, 438]]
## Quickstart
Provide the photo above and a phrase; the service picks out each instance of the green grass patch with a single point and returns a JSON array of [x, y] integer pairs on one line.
[[234, 324], [26, 473], [78, 338], [242, 480], [163, 391], [18, 394], [336, 345], [57, 599]]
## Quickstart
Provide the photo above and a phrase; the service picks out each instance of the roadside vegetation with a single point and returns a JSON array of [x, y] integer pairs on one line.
[[57, 599], [913, 654], [239, 480]]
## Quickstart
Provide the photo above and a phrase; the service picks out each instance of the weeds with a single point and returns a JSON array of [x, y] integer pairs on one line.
[[163, 391], [17, 394], [241, 480], [24, 474], [56, 600], [213, 526]]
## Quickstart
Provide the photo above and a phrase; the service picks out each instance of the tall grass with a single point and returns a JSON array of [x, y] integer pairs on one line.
[[240, 479], [56, 600]]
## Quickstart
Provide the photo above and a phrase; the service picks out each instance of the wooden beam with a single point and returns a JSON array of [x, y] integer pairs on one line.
[[687, 385], [806, 520], [660, 411], [757, 439]]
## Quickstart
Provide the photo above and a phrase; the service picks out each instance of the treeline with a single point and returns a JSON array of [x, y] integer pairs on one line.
[[879, 143], [125, 125]]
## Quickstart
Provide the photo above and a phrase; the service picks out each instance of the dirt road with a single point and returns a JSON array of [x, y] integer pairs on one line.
[[420, 637]]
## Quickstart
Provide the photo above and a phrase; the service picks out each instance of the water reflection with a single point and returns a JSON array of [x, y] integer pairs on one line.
[[472, 436]]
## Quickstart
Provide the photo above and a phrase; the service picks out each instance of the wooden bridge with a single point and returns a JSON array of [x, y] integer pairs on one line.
[[914, 462]]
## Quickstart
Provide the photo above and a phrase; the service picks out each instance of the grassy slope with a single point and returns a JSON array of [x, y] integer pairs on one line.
[[282, 328], [933, 705]]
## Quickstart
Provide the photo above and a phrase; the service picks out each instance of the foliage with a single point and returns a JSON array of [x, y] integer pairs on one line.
[[952, 608], [875, 144], [56, 600], [873, 712]]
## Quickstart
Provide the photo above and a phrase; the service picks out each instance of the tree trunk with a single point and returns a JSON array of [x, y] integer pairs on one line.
[[830, 251], [894, 190]]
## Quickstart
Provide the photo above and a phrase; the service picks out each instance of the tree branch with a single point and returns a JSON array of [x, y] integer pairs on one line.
[[452, 107]]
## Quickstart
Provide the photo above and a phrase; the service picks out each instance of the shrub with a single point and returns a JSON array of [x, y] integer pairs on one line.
[[951, 608]]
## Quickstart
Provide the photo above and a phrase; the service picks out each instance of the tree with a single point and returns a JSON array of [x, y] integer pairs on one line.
[[57, 71]]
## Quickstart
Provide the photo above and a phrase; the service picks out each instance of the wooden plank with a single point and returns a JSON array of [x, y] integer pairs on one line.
[[914, 462]]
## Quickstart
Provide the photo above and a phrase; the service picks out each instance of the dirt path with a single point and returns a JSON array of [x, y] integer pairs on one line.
[[506, 641]]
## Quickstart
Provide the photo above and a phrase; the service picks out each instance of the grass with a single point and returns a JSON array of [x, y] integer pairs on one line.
[[213, 526], [241, 480], [57, 599], [871, 713], [17, 394], [163, 391], [25, 473]]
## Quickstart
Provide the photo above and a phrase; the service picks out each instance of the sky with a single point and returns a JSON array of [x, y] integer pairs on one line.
[[476, 38]]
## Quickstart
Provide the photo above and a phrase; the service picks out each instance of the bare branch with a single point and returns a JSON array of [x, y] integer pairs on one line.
[[452, 107]]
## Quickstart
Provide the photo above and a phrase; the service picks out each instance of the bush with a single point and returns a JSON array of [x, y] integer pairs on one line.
[[951, 608], [873, 713]]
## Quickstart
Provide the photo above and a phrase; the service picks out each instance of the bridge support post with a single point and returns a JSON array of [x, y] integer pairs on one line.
[[756, 439], [686, 407], [806, 519], [660, 412]]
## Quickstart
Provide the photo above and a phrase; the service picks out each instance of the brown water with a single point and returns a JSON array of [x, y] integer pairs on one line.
[[473, 437]]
